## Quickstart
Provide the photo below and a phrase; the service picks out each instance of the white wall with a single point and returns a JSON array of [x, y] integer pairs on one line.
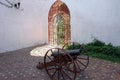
[[95, 18], [89, 18], [23, 28]]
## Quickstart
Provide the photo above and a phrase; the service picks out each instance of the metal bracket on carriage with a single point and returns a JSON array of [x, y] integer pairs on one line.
[[40, 65]]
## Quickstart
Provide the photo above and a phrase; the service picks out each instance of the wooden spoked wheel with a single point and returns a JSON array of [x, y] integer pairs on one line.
[[56, 61], [82, 60]]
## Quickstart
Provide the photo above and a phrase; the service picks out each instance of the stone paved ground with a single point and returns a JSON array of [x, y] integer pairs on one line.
[[21, 65]]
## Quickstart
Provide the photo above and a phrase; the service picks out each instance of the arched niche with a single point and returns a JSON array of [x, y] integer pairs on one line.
[[59, 12]]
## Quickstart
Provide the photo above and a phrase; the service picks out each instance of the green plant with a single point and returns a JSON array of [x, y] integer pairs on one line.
[[96, 42], [99, 49]]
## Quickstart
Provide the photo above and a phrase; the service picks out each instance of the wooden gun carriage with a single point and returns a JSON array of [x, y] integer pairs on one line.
[[64, 63]]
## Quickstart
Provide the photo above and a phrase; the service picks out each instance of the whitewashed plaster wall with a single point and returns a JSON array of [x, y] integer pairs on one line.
[[28, 26], [24, 27], [95, 19]]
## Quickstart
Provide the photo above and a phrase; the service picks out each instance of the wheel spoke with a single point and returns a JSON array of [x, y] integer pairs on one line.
[[49, 57], [58, 75], [82, 63], [77, 65], [62, 75], [67, 75], [54, 73], [68, 70], [69, 63], [51, 51]]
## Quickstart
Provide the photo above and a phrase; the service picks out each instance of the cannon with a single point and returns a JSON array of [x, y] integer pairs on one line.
[[64, 63]]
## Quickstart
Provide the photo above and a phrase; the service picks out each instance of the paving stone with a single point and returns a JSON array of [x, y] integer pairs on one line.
[[21, 65]]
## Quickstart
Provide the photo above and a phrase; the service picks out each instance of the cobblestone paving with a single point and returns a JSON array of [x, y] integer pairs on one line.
[[21, 65]]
